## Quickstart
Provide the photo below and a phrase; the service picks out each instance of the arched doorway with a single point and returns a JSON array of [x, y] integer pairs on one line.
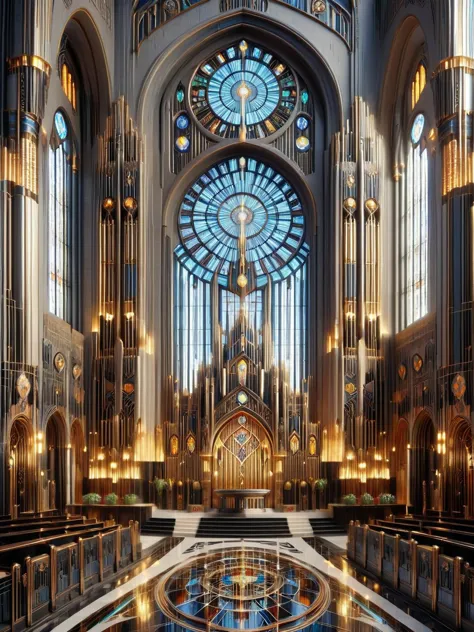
[[21, 467], [242, 456], [401, 461], [423, 464], [460, 464], [56, 462], [77, 461]]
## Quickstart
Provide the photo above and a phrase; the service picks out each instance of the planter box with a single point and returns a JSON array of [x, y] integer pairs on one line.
[[122, 514], [343, 514]]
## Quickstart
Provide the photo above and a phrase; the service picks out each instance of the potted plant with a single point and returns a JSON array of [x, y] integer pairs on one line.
[[161, 486], [111, 499], [387, 499], [349, 499], [130, 499], [91, 499], [321, 484], [366, 499]]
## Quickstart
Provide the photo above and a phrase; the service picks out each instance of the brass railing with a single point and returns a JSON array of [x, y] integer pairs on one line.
[[439, 582], [52, 579]]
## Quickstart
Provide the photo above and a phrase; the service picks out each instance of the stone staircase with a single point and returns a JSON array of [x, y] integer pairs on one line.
[[195, 525]]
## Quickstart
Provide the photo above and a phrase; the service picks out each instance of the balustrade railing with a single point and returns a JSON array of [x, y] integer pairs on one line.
[[50, 580], [440, 582], [149, 19]]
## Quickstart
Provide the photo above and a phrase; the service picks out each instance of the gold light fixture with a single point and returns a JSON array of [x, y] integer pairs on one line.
[[319, 6], [242, 280], [350, 204], [108, 204], [130, 204]]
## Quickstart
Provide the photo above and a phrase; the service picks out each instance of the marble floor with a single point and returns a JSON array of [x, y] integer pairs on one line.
[[349, 603]]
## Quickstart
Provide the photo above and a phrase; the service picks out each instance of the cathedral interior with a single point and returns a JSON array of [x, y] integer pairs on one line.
[[237, 315]]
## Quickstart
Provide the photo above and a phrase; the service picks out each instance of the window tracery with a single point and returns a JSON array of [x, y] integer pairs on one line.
[[414, 229], [418, 84], [209, 223], [62, 171], [270, 97]]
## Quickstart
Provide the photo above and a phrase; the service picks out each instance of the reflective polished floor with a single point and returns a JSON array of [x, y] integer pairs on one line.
[[288, 584]]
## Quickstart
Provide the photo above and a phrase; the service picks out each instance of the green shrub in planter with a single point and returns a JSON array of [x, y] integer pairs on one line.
[[321, 484], [387, 499], [366, 499], [111, 499], [130, 499], [91, 499], [349, 499]]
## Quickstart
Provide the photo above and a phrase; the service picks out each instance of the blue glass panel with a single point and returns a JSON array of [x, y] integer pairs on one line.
[[215, 94], [182, 122], [210, 222], [302, 122], [417, 129], [60, 125]]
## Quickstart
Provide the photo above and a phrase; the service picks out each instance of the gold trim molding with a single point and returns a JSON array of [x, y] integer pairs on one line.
[[454, 62], [32, 61]]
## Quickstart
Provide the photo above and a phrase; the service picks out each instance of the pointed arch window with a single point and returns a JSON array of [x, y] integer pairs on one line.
[[62, 174], [414, 229], [68, 84], [418, 84]]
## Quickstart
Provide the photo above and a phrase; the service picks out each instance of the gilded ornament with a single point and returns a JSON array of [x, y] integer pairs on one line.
[[59, 362], [130, 204], [371, 205], [191, 444], [287, 486], [318, 6], [174, 445], [458, 386], [402, 371], [350, 204], [23, 386], [76, 371], [350, 181], [417, 363], [108, 204], [350, 388], [129, 388]]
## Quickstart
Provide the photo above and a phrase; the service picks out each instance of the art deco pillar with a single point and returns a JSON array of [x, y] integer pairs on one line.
[[24, 101], [453, 87]]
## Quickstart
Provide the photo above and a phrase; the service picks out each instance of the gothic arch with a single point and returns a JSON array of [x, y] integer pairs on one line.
[[77, 461], [242, 455], [459, 483], [21, 466], [401, 441], [185, 50], [55, 467], [424, 483], [231, 149]]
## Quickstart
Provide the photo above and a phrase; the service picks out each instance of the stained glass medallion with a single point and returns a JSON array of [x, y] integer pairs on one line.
[[417, 129], [215, 97], [209, 223], [174, 445], [242, 372], [417, 362], [60, 125], [191, 444], [458, 386], [242, 398]]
